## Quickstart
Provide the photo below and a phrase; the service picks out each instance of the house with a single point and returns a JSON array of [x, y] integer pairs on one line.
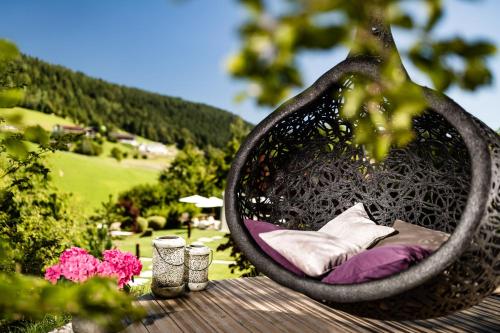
[[153, 149], [125, 138], [74, 129], [8, 128]]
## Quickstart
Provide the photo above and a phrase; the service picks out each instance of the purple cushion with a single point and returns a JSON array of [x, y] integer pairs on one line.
[[257, 227], [377, 263]]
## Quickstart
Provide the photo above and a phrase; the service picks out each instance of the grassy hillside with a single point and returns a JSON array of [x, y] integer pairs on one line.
[[54, 89], [91, 178], [32, 118]]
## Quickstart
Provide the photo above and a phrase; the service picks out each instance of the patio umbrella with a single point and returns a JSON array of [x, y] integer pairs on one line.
[[194, 199], [210, 203]]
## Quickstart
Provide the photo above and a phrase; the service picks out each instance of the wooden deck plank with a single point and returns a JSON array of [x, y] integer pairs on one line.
[[259, 305], [466, 322], [264, 309], [158, 320], [445, 324], [286, 303], [214, 315], [135, 327], [184, 317], [308, 306], [356, 322], [237, 309], [295, 316]]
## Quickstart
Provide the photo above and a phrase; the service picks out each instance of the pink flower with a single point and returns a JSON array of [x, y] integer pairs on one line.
[[53, 273], [72, 253], [75, 264], [105, 269], [78, 265], [124, 264]]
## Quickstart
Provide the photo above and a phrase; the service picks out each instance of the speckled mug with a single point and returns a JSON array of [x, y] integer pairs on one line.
[[197, 260], [168, 266]]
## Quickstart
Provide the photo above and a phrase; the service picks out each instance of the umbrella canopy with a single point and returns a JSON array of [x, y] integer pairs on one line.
[[210, 203], [193, 199]]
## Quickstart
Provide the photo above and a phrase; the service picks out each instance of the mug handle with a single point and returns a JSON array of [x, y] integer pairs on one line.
[[211, 255]]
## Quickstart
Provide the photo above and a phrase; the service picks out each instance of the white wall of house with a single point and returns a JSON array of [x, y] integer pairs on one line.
[[153, 148]]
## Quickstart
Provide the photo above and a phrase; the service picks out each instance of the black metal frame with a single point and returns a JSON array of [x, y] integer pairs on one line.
[[463, 271]]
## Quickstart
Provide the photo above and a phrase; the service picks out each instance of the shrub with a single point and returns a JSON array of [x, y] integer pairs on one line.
[[38, 222], [86, 146], [147, 233], [157, 222], [36, 134], [141, 224], [95, 238], [116, 153], [143, 197], [174, 212]]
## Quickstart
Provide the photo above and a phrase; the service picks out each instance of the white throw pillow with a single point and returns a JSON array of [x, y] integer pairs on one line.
[[354, 225], [315, 253]]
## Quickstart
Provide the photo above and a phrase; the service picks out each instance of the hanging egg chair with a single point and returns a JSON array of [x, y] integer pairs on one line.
[[299, 169]]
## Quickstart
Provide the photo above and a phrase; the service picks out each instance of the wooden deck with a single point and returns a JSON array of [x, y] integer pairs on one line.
[[261, 305]]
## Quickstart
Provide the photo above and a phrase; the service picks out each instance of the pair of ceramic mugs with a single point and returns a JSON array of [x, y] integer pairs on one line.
[[177, 266]]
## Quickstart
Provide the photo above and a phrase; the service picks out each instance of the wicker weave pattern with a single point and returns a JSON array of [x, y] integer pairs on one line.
[[304, 170]]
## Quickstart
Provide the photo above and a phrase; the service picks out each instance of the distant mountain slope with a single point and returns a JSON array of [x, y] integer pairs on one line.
[[56, 89]]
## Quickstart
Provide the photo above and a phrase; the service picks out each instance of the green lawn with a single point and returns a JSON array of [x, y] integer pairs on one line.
[[93, 179], [31, 118], [216, 271]]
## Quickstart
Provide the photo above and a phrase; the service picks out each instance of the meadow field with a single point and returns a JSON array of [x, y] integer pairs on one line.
[[91, 179]]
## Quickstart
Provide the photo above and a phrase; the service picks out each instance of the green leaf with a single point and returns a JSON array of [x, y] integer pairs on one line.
[[353, 101], [17, 148], [435, 13], [36, 134], [382, 146]]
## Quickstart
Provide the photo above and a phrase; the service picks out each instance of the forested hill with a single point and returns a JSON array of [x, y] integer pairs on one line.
[[90, 101]]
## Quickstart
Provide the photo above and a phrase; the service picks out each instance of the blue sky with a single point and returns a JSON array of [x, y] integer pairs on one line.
[[178, 48]]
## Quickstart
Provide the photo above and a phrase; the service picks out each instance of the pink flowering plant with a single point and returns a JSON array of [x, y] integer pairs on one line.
[[77, 265]]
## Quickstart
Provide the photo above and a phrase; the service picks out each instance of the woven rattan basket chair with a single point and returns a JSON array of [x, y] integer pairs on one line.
[[298, 168]]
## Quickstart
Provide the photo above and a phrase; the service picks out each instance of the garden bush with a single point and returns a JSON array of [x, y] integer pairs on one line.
[[157, 222], [38, 224], [141, 224], [142, 198], [147, 233], [86, 146], [116, 153], [37, 221], [174, 211]]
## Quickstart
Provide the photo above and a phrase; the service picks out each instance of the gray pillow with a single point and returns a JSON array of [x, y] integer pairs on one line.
[[410, 234], [314, 253], [355, 226]]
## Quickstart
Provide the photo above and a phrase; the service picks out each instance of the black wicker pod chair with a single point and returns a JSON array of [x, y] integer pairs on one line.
[[299, 169]]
